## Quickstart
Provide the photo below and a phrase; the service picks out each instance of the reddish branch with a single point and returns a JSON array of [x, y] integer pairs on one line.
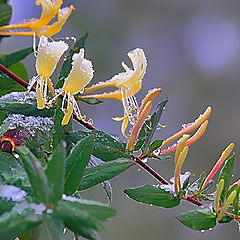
[[14, 77], [90, 127], [25, 84]]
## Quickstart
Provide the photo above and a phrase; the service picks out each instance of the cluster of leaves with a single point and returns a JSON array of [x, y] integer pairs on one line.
[[49, 169]]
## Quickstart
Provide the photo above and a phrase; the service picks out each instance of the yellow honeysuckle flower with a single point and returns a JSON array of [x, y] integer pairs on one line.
[[128, 84], [141, 116], [38, 26], [48, 55], [50, 30], [80, 75], [129, 81]]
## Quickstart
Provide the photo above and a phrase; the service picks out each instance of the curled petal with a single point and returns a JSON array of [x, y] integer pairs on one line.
[[80, 74], [131, 79], [48, 55], [50, 30], [49, 10]]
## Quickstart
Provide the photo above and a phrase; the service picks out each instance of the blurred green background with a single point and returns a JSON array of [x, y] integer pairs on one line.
[[193, 53]]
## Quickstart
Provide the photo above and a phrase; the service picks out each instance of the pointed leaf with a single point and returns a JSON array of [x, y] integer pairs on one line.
[[7, 84], [55, 172], [156, 144], [105, 171], [149, 127], [15, 57], [106, 147], [54, 228], [91, 101], [153, 195], [76, 163], [35, 174], [26, 109], [5, 14], [202, 219], [226, 174], [13, 224]]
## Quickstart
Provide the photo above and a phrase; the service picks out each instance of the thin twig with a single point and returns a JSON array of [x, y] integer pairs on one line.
[[150, 171], [14, 77]]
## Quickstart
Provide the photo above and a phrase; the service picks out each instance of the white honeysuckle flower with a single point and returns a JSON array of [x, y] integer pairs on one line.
[[48, 55], [80, 75]]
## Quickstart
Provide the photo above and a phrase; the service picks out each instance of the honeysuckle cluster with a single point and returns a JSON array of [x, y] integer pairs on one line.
[[48, 56], [40, 26]]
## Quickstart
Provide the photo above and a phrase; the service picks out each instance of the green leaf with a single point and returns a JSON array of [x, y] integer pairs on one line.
[[226, 174], [160, 157], [5, 14], [12, 172], [105, 171], [7, 84], [67, 65], [202, 219], [89, 213], [94, 209], [106, 185], [149, 127], [153, 195], [106, 147], [5, 206], [225, 219], [15, 57], [156, 144], [26, 109], [55, 172], [35, 174], [38, 139], [76, 163], [13, 224], [72, 216], [91, 101], [54, 228]]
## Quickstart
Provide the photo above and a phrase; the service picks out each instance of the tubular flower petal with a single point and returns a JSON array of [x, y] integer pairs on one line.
[[48, 55], [39, 26], [218, 164], [80, 75], [178, 167], [141, 116]]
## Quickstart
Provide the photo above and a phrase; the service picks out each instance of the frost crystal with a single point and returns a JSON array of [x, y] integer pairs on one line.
[[10, 192], [38, 208], [170, 187], [29, 122], [16, 96]]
